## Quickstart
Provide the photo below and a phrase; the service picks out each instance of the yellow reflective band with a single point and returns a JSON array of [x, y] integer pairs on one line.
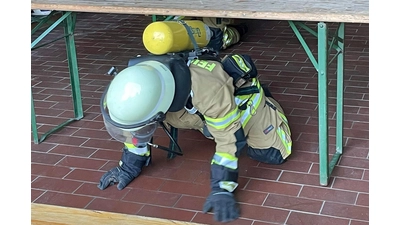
[[129, 145], [283, 117], [228, 185], [251, 109], [142, 151], [225, 159], [239, 100], [241, 63], [253, 101], [252, 104], [287, 143], [224, 122], [226, 155]]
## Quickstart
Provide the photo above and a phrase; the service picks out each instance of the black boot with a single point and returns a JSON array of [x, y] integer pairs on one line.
[[241, 28]]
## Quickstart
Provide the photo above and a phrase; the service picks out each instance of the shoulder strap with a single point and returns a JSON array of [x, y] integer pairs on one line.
[[189, 31], [197, 53]]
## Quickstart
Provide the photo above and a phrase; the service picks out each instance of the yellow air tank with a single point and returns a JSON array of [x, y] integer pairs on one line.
[[163, 37]]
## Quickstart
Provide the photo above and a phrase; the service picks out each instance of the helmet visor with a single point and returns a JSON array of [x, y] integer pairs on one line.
[[138, 136]]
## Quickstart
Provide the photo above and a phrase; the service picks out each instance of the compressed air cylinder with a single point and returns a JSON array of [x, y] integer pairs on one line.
[[163, 37]]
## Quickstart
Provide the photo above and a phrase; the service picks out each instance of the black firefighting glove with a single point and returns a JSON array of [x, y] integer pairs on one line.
[[129, 168], [223, 204], [220, 201]]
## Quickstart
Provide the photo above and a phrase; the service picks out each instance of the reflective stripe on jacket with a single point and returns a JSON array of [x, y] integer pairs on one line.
[[213, 96]]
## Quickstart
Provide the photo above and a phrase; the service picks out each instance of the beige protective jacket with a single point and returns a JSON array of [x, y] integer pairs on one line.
[[213, 96]]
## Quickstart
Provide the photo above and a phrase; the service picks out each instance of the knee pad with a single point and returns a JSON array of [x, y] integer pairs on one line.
[[269, 155]]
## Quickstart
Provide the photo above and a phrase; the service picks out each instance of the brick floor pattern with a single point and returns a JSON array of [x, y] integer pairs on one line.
[[66, 167]]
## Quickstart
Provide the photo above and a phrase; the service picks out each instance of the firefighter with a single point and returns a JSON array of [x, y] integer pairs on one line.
[[200, 96]]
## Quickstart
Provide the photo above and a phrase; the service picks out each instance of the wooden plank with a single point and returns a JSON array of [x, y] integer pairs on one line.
[[42, 214], [352, 11]]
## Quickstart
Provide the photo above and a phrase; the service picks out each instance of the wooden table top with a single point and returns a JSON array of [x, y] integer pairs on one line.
[[349, 11]]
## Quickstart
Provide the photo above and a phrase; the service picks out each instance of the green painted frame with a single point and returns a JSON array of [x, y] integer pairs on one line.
[[68, 19], [325, 45]]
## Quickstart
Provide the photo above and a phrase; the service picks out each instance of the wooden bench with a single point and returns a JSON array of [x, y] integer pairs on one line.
[[42, 214], [294, 11]]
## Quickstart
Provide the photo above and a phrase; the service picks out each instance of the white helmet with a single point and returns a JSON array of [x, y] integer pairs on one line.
[[136, 99]]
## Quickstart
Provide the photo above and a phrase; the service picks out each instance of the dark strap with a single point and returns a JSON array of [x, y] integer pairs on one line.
[[270, 105], [246, 91], [201, 116], [189, 31], [189, 105]]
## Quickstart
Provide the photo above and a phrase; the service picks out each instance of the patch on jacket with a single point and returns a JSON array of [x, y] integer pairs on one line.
[[268, 129]]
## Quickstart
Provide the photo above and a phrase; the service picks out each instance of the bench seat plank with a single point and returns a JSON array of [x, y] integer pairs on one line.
[[352, 11]]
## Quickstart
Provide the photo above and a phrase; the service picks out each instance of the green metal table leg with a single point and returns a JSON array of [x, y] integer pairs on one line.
[[69, 28], [339, 99], [323, 102], [340, 88], [33, 122], [69, 20], [324, 47]]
